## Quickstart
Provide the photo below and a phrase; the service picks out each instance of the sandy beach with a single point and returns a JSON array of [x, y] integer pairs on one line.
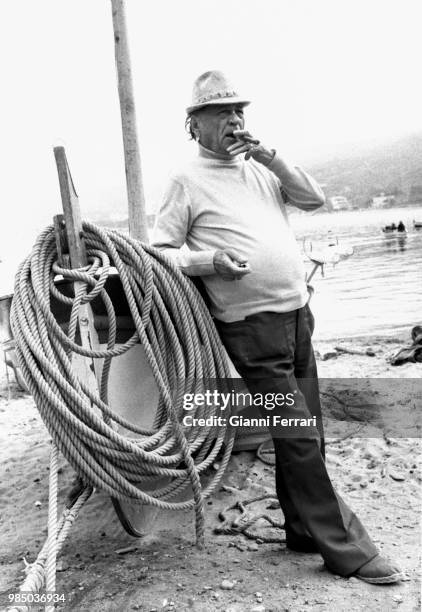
[[103, 568]]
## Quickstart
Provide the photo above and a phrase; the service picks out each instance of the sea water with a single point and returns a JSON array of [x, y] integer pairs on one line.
[[378, 290]]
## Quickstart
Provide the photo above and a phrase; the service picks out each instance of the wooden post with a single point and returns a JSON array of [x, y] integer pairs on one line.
[[71, 210], [136, 200], [73, 228]]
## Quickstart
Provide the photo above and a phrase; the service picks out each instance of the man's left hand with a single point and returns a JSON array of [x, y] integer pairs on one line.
[[251, 146]]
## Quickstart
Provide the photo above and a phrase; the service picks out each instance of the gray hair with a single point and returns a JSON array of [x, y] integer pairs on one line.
[[188, 126]]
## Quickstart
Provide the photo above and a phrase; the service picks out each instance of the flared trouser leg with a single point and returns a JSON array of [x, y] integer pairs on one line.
[[273, 354]]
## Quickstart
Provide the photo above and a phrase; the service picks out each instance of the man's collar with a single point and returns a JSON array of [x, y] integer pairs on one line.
[[225, 157]]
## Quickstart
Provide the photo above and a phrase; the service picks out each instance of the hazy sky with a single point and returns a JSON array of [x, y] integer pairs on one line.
[[321, 73]]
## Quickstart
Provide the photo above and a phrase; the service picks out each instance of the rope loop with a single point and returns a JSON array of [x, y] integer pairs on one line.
[[182, 349]]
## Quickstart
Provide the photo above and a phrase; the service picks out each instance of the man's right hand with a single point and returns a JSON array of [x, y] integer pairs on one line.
[[230, 265]]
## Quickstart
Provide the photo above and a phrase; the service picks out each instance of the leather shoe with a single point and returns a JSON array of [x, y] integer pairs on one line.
[[379, 571]]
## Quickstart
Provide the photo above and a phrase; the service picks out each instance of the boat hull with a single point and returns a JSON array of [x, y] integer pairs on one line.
[[133, 392]]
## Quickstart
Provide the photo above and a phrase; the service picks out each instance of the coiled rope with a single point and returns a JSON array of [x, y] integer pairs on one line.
[[182, 348]]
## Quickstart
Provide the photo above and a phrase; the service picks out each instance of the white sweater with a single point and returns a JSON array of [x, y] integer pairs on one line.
[[217, 203]]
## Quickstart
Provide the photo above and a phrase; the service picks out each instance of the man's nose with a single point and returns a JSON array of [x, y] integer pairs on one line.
[[235, 119]]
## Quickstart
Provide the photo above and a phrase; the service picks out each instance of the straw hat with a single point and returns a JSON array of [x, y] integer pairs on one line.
[[213, 87]]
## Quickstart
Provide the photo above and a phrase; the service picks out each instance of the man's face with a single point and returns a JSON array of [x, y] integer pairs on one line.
[[216, 125]]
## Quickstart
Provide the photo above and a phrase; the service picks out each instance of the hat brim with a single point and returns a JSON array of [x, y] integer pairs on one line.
[[217, 101]]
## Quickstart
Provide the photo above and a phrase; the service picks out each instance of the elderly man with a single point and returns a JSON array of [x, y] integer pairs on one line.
[[224, 219]]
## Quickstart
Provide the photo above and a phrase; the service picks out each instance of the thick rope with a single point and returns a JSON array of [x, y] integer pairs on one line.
[[242, 523], [182, 348], [36, 571], [50, 569]]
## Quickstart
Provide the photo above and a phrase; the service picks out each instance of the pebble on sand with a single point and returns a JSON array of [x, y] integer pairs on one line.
[[227, 585]]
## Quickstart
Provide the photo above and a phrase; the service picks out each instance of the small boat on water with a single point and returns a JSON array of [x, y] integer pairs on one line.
[[417, 224], [400, 228]]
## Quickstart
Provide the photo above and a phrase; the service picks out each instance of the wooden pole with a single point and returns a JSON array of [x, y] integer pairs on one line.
[[71, 210], [70, 222], [135, 192]]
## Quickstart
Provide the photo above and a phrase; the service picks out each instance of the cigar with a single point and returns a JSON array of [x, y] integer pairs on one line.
[[245, 138], [254, 141]]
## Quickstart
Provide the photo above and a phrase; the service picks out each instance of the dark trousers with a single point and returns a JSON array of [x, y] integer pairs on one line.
[[273, 353]]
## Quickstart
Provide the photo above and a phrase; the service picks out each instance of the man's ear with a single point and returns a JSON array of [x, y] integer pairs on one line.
[[195, 126]]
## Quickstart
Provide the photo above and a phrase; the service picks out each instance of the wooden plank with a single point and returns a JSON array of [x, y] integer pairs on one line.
[[61, 241], [135, 192], [71, 210], [90, 368]]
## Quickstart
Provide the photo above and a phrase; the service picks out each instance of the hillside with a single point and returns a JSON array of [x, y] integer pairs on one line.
[[395, 168]]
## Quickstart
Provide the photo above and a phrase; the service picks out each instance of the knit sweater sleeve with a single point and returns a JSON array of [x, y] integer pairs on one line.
[[300, 188], [172, 225]]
